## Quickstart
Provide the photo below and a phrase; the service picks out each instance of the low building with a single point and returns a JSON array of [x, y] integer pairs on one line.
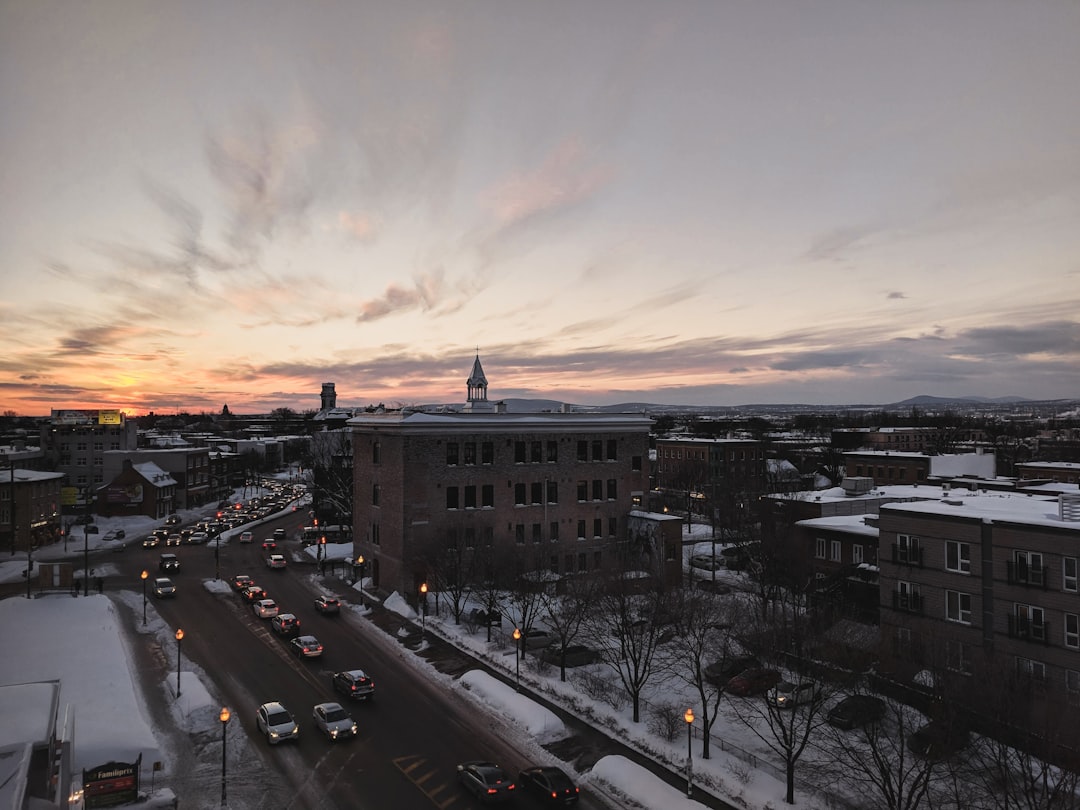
[[29, 508], [138, 489]]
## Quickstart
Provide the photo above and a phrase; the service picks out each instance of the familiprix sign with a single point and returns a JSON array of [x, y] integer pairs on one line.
[[111, 784]]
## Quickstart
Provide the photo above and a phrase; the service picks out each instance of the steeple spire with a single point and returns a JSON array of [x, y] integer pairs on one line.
[[477, 382]]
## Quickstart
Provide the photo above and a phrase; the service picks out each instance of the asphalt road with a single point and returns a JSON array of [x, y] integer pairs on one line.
[[412, 735]]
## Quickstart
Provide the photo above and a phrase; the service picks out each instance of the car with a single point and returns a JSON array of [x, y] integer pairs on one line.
[[168, 562], [164, 588], [269, 544], [279, 534], [119, 534], [333, 721], [856, 711], [354, 684], [173, 540], [90, 528], [486, 780], [246, 537], [253, 593], [306, 647], [277, 723], [150, 542], [172, 520], [198, 538], [549, 783], [577, 655], [752, 681], [285, 624], [276, 561], [160, 534], [266, 608], [186, 533], [327, 605], [788, 694], [938, 740], [241, 581], [536, 639], [707, 562], [720, 672]]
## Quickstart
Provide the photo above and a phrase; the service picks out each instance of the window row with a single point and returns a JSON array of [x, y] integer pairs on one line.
[[465, 453], [833, 550], [1024, 567]]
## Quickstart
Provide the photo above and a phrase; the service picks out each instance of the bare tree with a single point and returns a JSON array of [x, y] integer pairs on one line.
[[565, 614], [450, 566], [330, 467]]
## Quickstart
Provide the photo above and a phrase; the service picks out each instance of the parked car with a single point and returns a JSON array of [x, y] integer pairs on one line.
[[241, 581], [536, 639], [354, 684], [486, 781], [856, 711], [275, 721], [266, 608], [938, 740], [253, 593], [168, 562], [752, 681], [164, 588], [247, 537], [550, 784], [285, 624], [327, 605], [577, 655], [307, 647], [720, 672], [333, 721], [707, 562], [788, 694]]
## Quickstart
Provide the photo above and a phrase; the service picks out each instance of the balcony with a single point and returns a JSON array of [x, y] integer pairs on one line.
[[1024, 628], [907, 602], [907, 555], [1020, 573]]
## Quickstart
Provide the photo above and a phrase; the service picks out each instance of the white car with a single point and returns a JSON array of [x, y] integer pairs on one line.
[[247, 537], [275, 561], [275, 721], [266, 608], [333, 721], [786, 695]]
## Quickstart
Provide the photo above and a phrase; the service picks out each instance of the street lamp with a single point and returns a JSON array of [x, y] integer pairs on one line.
[[223, 716], [517, 657], [179, 638], [689, 718], [143, 577], [360, 565], [423, 609]]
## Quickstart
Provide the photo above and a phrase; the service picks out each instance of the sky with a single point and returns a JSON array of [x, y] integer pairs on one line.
[[689, 202]]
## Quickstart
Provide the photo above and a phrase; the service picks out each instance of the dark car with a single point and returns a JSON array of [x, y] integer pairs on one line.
[[720, 672], [486, 780], [577, 655], [285, 624], [856, 711], [241, 581], [354, 684], [279, 534], [551, 784], [938, 740], [164, 588], [752, 681], [253, 593], [327, 605], [169, 562]]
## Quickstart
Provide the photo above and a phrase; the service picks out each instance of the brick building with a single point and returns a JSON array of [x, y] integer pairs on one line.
[[1064, 472], [29, 508], [554, 487], [74, 442], [138, 489], [189, 467]]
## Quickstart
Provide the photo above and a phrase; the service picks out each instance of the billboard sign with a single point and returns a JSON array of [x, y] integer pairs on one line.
[[111, 784]]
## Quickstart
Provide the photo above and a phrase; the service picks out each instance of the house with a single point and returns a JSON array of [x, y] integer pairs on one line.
[[138, 489]]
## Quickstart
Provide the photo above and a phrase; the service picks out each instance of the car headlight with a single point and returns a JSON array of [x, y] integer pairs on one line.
[[354, 728]]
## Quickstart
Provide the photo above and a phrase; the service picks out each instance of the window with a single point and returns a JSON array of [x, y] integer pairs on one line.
[[536, 492], [582, 450], [582, 491], [1072, 687], [612, 450], [834, 550], [519, 533], [1029, 621], [583, 562], [487, 496], [597, 560], [958, 656], [552, 451], [597, 490], [597, 450], [452, 453], [470, 496], [451, 497], [819, 548], [1072, 631], [553, 532], [581, 530], [536, 452], [612, 489], [568, 562], [519, 452], [958, 607], [907, 596], [488, 533], [552, 492], [553, 563], [1033, 670], [907, 550], [598, 527], [957, 557], [612, 526], [537, 532], [487, 453], [374, 494], [1027, 568], [635, 463], [519, 494], [376, 452], [856, 554], [1068, 574], [470, 453]]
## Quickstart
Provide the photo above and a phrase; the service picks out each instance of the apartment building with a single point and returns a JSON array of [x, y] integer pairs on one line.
[[29, 508], [74, 442], [887, 467], [190, 468], [983, 591], [719, 479], [1063, 472], [554, 487]]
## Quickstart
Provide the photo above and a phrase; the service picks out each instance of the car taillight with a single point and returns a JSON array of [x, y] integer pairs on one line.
[[491, 791]]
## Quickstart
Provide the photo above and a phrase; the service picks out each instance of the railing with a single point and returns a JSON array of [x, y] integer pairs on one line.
[[907, 555], [1020, 573], [910, 602], [1024, 628]]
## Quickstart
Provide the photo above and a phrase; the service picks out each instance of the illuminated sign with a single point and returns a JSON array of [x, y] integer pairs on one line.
[[109, 418]]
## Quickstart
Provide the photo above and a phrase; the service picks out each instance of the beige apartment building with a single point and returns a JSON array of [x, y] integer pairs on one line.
[[556, 488]]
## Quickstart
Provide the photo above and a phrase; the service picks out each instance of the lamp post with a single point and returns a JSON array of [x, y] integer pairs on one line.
[[223, 716], [360, 565], [423, 610], [517, 657], [143, 577], [179, 638], [689, 718]]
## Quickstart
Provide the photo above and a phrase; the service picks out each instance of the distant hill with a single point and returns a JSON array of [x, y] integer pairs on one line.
[[924, 399]]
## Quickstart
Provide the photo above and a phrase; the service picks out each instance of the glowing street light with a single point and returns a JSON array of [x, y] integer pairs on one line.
[[143, 577], [223, 716], [517, 657], [179, 638], [689, 718], [423, 609]]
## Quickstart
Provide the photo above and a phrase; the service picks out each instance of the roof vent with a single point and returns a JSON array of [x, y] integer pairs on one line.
[[1069, 506], [952, 502]]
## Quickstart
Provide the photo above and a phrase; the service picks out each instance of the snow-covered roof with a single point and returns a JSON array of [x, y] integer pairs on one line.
[[850, 524], [1013, 507], [154, 474], [28, 475], [487, 420]]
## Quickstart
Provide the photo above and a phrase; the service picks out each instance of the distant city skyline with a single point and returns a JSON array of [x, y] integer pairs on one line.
[[679, 203]]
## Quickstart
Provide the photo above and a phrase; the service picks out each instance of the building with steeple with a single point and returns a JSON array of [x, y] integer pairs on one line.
[[551, 490]]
